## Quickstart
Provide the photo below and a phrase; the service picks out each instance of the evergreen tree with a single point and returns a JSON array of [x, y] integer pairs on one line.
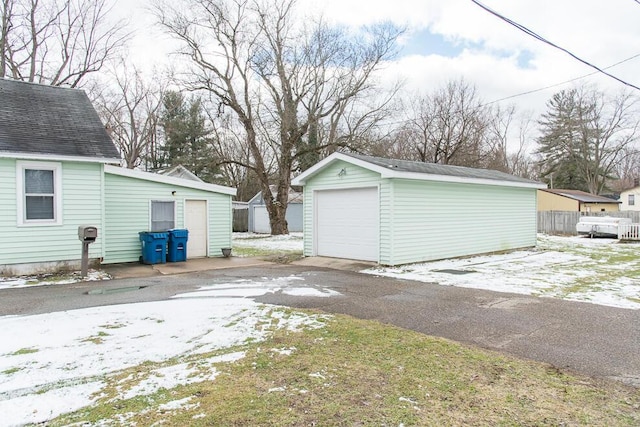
[[188, 139], [584, 135]]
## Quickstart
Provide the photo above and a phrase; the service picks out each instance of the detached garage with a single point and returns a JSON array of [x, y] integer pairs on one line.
[[397, 212]]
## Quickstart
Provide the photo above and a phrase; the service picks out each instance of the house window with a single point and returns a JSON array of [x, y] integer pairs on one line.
[[163, 215], [632, 199], [39, 193]]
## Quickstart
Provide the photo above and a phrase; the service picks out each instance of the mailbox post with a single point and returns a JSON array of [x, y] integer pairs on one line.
[[87, 235]]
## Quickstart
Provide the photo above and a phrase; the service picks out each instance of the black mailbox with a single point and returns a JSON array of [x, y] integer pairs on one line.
[[87, 233]]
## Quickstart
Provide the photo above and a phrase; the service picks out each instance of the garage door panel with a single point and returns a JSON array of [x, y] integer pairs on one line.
[[347, 223]]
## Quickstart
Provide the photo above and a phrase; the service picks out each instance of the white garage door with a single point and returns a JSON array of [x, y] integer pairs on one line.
[[195, 220], [261, 222], [347, 223]]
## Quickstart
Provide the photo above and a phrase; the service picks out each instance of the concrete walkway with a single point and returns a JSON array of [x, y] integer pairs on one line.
[[131, 270]]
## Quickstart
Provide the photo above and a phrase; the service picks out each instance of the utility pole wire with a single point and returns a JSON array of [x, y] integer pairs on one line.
[[542, 39], [561, 83]]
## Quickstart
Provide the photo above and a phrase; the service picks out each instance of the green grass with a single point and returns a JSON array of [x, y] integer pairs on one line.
[[97, 338], [357, 372], [25, 351]]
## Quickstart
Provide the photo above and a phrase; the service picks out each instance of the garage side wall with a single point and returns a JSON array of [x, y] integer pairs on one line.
[[330, 178], [436, 220], [127, 205]]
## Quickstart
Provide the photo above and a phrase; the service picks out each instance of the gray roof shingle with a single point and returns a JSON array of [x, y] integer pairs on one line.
[[438, 169], [582, 196], [48, 120]]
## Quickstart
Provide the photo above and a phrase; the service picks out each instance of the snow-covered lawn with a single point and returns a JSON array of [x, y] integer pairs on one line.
[[51, 279], [59, 362], [287, 242], [600, 271]]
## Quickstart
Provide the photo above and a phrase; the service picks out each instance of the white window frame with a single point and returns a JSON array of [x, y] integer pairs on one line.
[[631, 200], [175, 216], [56, 167]]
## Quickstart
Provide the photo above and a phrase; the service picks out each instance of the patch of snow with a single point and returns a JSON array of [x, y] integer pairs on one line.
[[277, 389], [31, 406], [284, 242], [54, 363], [311, 292], [176, 404], [284, 351], [168, 378], [552, 270], [48, 280]]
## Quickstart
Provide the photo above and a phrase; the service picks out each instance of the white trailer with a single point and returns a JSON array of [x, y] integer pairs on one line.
[[600, 226]]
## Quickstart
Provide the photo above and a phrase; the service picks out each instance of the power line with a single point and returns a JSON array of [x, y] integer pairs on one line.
[[564, 82], [542, 39]]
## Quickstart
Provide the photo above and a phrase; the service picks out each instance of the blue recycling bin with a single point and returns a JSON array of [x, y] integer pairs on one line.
[[177, 245], [154, 247]]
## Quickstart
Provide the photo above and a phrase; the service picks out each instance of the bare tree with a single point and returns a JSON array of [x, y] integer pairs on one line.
[[57, 42], [449, 126], [129, 106], [283, 81]]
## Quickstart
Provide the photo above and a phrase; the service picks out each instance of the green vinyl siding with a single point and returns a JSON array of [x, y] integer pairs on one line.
[[437, 220], [423, 220], [127, 210], [81, 205], [329, 178]]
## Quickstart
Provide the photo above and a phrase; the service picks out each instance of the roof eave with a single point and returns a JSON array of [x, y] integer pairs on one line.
[[462, 179], [182, 182], [57, 157], [391, 173]]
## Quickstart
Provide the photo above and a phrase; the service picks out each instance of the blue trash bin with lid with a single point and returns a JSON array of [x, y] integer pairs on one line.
[[154, 247], [177, 245]]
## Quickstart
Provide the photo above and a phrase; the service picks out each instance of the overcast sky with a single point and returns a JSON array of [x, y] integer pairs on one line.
[[450, 39]]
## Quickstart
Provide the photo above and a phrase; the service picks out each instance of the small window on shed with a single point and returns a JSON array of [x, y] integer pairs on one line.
[[163, 215], [632, 199]]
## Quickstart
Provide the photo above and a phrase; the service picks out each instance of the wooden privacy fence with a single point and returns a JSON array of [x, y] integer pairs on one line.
[[240, 219], [564, 222]]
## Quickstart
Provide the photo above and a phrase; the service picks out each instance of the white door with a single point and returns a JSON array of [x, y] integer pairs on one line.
[[346, 223], [195, 220], [261, 222]]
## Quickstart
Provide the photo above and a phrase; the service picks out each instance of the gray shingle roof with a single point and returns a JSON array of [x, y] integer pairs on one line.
[[39, 119], [437, 169], [581, 196]]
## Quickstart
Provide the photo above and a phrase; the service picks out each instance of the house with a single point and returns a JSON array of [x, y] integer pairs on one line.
[[574, 200], [630, 199], [58, 171], [259, 217], [398, 212]]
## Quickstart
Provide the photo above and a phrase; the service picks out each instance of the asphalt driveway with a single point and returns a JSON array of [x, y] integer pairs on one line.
[[586, 338]]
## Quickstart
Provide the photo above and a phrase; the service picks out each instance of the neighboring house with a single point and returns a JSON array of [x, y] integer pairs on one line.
[[575, 201], [398, 212], [259, 217], [630, 199], [57, 172]]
